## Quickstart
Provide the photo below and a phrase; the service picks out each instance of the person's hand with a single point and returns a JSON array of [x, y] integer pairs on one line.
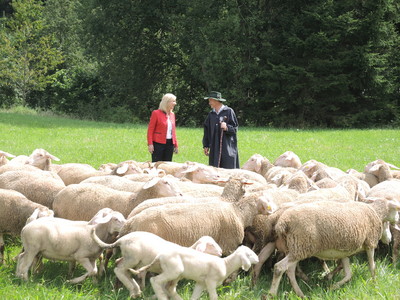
[[176, 150], [224, 127], [206, 151], [151, 149]]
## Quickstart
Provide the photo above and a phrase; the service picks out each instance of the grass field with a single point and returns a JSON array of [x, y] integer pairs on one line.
[[97, 143]]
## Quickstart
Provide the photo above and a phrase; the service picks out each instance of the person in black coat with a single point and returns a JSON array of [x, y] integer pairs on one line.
[[219, 139]]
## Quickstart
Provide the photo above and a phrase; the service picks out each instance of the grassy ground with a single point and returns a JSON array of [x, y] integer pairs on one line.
[[96, 143]]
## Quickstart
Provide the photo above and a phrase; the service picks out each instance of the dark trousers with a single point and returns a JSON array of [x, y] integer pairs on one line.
[[163, 152]]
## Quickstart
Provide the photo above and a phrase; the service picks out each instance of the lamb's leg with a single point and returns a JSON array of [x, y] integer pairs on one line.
[[347, 273], [265, 253], [91, 268], [25, 261], [123, 275], [212, 289], [198, 289], [171, 290], [158, 282], [279, 268]]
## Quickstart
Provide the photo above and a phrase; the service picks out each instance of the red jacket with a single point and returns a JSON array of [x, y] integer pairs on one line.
[[157, 129]]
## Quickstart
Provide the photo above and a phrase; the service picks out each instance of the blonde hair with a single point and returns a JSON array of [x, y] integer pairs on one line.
[[164, 101]]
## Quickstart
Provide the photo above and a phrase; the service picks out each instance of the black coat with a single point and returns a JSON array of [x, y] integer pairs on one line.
[[229, 157]]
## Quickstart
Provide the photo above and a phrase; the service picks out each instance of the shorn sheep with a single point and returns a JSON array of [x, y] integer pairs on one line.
[[184, 224], [208, 271], [329, 230], [140, 248], [14, 213], [61, 239]]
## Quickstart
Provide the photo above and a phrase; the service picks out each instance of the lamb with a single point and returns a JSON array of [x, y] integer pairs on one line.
[[15, 211], [140, 248], [38, 186], [288, 159], [208, 271], [184, 224], [82, 201], [329, 230], [3, 157], [45, 235]]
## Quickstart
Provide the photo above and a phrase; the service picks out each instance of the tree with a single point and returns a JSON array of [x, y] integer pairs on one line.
[[28, 57]]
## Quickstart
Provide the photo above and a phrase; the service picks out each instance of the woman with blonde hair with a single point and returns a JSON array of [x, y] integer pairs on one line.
[[161, 132]]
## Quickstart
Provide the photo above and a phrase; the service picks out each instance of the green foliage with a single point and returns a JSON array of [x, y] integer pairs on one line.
[[28, 57]]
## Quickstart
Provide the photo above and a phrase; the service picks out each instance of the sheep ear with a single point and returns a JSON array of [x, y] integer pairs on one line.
[[103, 216], [201, 247], [258, 165], [33, 216], [122, 170], [52, 157], [246, 264], [393, 166], [161, 173], [191, 168], [151, 182]]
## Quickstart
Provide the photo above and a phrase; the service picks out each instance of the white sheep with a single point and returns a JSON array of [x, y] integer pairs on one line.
[[73, 173], [233, 190], [38, 186], [207, 270], [15, 211], [184, 224], [116, 182], [258, 163], [140, 248], [288, 159], [65, 240], [39, 158], [3, 157], [82, 201], [329, 230]]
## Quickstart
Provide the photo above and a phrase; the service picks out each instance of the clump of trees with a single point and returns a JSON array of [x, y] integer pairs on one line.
[[278, 63]]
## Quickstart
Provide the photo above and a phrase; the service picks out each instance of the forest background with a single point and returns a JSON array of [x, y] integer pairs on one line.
[[286, 63]]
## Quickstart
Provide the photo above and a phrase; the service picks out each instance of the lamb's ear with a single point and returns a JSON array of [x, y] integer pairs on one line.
[[103, 216], [151, 182], [246, 264], [201, 247], [33, 216]]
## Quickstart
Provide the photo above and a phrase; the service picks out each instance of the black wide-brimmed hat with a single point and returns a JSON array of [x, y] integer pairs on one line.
[[215, 95]]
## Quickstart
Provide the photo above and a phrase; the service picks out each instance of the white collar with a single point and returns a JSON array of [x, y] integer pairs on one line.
[[221, 108]]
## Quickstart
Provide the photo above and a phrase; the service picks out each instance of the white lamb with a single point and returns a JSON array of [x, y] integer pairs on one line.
[[140, 248], [66, 240], [207, 270]]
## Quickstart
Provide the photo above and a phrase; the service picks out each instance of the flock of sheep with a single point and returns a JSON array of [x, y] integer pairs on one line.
[[189, 220]]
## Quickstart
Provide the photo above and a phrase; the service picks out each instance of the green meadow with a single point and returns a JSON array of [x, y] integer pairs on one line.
[[95, 143]]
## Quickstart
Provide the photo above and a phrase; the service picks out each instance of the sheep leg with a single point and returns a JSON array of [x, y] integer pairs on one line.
[[123, 275], [265, 253], [1, 249], [371, 261], [198, 289], [91, 268], [158, 282], [279, 268], [347, 273], [291, 273], [25, 261], [212, 289], [396, 243], [171, 290]]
